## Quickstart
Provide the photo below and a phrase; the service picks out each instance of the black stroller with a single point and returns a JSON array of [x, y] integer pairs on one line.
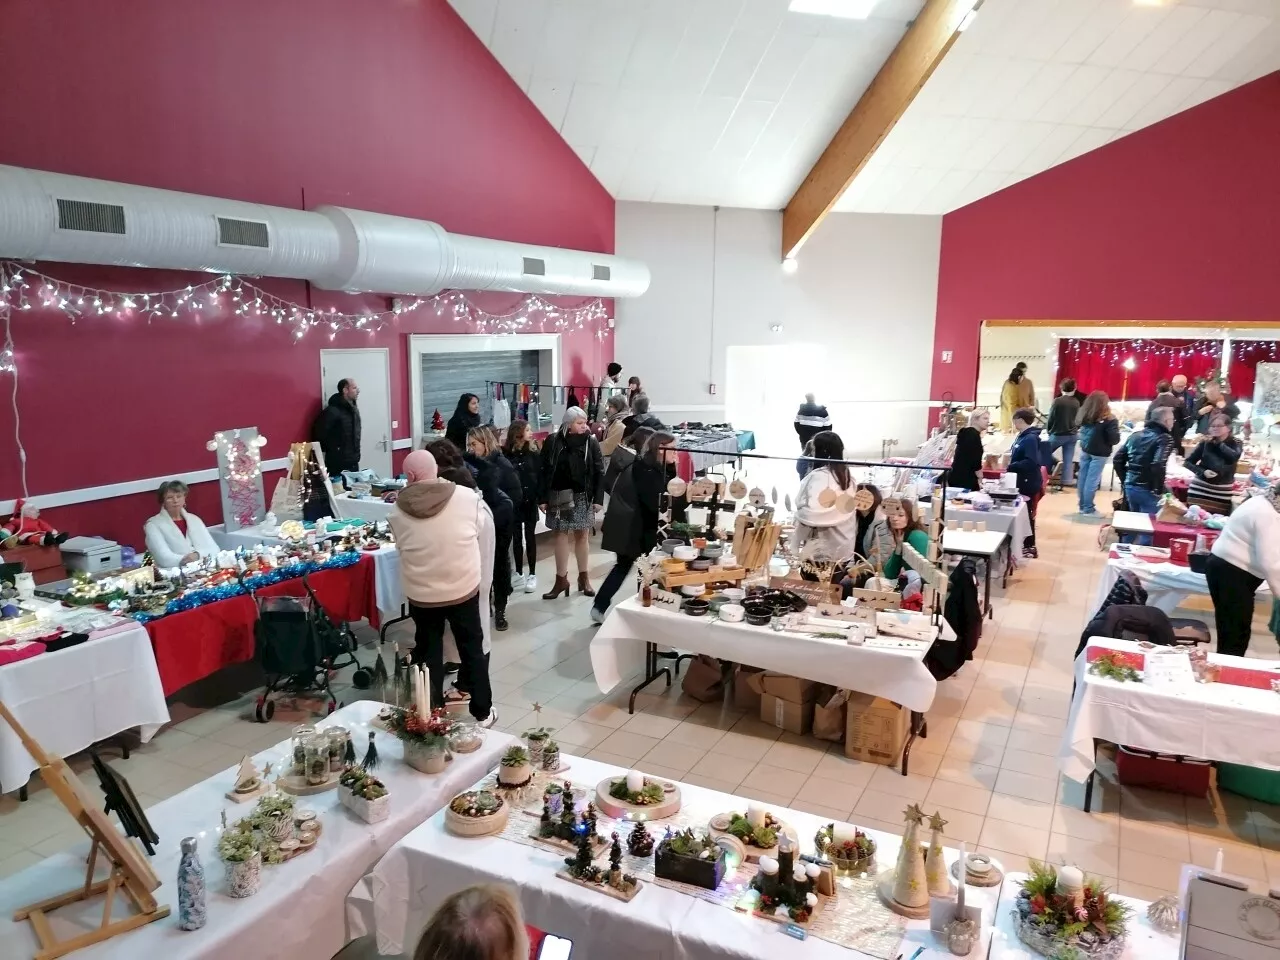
[[298, 646]]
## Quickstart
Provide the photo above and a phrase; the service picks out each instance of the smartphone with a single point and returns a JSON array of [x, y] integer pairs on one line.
[[555, 948]]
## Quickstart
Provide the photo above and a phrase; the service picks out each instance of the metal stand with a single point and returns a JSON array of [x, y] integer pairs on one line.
[[119, 741], [919, 728], [651, 673]]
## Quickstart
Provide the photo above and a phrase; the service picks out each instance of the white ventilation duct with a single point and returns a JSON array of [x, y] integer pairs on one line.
[[54, 217]]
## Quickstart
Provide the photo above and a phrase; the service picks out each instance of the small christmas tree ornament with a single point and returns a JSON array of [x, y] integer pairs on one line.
[[935, 864], [437, 422], [905, 889]]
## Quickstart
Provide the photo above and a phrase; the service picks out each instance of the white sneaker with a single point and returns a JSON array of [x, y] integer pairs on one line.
[[531, 584], [517, 581], [491, 719], [597, 616]]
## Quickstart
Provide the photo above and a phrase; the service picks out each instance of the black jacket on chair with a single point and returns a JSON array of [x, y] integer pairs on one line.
[[1129, 622], [963, 612]]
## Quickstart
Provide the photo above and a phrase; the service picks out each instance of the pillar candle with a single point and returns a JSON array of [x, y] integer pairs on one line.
[[755, 815], [1071, 879], [843, 833], [635, 781]]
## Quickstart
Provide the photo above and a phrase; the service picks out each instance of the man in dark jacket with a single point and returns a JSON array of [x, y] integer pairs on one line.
[[1186, 394], [811, 419], [1165, 397], [1026, 458], [337, 429], [1062, 429], [640, 417], [1140, 464]]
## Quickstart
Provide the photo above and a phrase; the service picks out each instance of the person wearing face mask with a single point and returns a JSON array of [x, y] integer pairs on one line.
[[631, 523], [573, 485], [966, 463], [903, 528], [1214, 463]]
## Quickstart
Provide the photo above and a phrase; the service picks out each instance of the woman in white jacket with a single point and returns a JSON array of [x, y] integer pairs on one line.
[[175, 537], [826, 526]]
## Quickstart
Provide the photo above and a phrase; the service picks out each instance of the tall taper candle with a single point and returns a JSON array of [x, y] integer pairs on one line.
[[961, 875]]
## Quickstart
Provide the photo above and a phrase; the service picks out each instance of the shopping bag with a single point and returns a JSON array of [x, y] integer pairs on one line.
[[828, 717], [286, 501], [704, 680], [1172, 510]]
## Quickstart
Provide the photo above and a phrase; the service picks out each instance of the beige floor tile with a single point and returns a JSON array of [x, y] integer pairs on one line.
[[836, 766], [1029, 813], [912, 787], [1038, 723], [794, 756], [711, 783], [1034, 764], [1238, 859], [1074, 822], [885, 807], [1092, 856], [831, 793], [743, 746], [1026, 786], [984, 734], [650, 726], [923, 764], [834, 814], [673, 756], [606, 715], [755, 727], [661, 772], [723, 767], [962, 826], [1153, 806], [1153, 871], [765, 796], [695, 735], [715, 715], [1031, 741], [1142, 891], [632, 746], [1010, 861], [583, 735], [1031, 842], [968, 773], [957, 796], [775, 780], [605, 757]]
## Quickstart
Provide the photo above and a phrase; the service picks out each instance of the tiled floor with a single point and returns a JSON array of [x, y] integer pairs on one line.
[[987, 763]]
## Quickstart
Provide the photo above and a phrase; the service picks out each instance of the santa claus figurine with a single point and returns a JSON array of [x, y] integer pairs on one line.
[[26, 529]]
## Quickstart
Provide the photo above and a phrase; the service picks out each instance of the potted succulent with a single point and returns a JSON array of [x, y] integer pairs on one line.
[[274, 816], [689, 857], [536, 740], [551, 757], [364, 795], [240, 851], [516, 769], [425, 740]]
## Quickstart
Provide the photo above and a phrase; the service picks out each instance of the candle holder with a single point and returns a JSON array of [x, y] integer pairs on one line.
[[961, 937]]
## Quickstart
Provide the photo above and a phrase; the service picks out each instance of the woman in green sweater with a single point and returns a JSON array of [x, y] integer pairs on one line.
[[904, 527]]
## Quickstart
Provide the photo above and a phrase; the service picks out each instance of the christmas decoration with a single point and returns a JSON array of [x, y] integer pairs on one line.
[[935, 864], [1060, 910], [437, 422], [786, 887], [25, 528], [905, 888]]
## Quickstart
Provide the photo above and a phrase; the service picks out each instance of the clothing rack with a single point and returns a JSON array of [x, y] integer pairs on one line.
[[551, 399]]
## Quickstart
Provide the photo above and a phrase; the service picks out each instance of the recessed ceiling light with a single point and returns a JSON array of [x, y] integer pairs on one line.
[[846, 9], [790, 265]]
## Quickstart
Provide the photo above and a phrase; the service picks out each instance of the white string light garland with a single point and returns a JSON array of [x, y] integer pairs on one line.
[[24, 289]]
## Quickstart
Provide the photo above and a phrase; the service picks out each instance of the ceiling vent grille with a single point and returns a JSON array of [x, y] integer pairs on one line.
[[243, 233], [91, 217], [598, 272], [534, 267]]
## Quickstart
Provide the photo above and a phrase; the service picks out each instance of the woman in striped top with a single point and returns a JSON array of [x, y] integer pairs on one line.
[[1214, 462]]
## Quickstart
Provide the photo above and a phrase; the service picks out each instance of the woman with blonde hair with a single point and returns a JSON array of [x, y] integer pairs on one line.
[[500, 484], [616, 410], [477, 923], [572, 486]]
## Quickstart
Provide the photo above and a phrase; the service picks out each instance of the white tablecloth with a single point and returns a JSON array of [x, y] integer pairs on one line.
[[1143, 942], [399, 896], [1211, 721], [617, 651], [73, 698], [1168, 584], [298, 911], [1016, 522], [352, 508]]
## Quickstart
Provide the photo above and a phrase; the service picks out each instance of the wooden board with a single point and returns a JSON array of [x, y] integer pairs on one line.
[[878, 599], [814, 593], [803, 925], [565, 845], [603, 887], [622, 810], [992, 878], [298, 786], [673, 581]]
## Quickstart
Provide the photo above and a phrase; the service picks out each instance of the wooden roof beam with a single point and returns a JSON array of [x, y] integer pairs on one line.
[[914, 59]]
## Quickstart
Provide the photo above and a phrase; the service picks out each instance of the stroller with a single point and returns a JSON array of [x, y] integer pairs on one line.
[[298, 646]]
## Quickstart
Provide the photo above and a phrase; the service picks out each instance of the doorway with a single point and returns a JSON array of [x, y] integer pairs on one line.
[[370, 367]]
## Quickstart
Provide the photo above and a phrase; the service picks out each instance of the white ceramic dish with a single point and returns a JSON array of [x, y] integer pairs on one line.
[[685, 553], [732, 612], [735, 594], [693, 590]]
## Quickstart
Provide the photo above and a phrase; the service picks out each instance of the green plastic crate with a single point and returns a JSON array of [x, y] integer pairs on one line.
[[1250, 782]]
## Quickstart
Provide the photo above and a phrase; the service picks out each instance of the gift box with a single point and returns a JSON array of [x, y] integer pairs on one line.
[[791, 689], [875, 729]]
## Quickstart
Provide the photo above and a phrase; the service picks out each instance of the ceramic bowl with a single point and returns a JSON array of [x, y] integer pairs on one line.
[[717, 600], [696, 607], [668, 546], [735, 594], [693, 590], [732, 613], [713, 550], [671, 565], [728, 560], [683, 552], [757, 612], [700, 564]]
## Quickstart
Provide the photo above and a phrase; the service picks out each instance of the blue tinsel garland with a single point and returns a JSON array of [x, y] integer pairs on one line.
[[198, 598]]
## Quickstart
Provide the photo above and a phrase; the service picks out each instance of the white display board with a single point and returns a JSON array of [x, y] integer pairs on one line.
[[1228, 921], [240, 476]]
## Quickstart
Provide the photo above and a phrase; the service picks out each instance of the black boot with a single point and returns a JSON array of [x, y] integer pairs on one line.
[[500, 618]]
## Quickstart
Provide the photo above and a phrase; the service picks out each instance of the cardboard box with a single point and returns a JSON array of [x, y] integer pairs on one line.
[[791, 689], [875, 729], [745, 697], [792, 717]]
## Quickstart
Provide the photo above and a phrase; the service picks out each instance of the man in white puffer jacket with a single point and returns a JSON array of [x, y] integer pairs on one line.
[[437, 526]]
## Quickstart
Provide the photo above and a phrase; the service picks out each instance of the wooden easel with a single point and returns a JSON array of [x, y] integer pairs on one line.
[[130, 875]]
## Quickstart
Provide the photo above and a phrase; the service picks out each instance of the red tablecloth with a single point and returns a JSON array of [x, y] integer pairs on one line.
[[191, 645], [1163, 532]]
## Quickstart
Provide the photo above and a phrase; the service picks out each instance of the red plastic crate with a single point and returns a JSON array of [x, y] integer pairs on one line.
[[1162, 771]]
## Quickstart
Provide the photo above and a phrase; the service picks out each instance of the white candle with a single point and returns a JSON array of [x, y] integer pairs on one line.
[[798, 873], [812, 870], [635, 781], [755, 815], [768, 866], [962, 875], [1217, 862], [1071, 879], [844, 833]]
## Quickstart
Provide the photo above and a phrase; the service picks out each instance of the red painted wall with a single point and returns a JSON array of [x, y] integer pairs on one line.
[[1175, 222], [387, 105]]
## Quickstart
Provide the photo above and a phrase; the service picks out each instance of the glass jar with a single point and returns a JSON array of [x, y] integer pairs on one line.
[[466, 735], [336, 739], [302, 735], [317, 760]]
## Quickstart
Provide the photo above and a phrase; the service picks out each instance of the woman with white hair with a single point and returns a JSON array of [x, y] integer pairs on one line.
[[573, 484]]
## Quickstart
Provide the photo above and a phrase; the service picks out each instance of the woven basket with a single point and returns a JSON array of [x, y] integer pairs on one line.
[[1046, 944]]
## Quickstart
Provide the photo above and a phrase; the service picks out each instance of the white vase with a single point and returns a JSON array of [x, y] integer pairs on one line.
[[370, 811], [423, 758], [244, 877]]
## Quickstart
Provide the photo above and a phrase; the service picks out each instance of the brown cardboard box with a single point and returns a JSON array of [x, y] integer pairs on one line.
[[792, 717], [875, 729], [745, 697], [779, 685]]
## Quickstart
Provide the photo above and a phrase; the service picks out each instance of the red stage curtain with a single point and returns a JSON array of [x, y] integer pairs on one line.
[[1245, 357], [1099, 364]]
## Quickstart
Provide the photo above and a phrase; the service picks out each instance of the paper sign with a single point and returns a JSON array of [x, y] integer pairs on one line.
[[813, 592], [1168, 670]]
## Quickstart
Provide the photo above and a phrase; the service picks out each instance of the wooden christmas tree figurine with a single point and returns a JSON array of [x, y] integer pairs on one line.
[[910, 885], [615, 862], [935, 864]]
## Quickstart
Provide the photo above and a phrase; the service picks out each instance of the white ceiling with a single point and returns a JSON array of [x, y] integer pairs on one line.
[[730, 102], [724, 102], [1034, 83]]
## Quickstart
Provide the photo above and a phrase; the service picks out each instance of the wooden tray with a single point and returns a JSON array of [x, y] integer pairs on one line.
[[673, 581], [568, 847], [755, 853], [603, 887], [298, 786], [992, 878], [622, 810]]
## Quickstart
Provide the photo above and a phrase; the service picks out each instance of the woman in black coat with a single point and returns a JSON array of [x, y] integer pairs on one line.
[[572, 487], [500, 486], [522, 450], [466, 416], [631, 523], [966, 463], [1214, 463]]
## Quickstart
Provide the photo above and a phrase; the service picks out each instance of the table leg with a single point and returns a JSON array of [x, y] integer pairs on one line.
[[124, 747], [404, 615], [1088, 784], [919, 728], [22, 793], [986, 596], [651, 673]]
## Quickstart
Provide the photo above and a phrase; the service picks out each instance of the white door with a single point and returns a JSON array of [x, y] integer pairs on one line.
[[370, 368]]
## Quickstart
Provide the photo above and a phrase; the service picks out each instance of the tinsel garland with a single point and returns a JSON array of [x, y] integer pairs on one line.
[[198, 598]]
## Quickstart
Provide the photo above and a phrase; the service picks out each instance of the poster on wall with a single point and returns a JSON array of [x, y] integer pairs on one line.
[[240, 475], [1266, 390]]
